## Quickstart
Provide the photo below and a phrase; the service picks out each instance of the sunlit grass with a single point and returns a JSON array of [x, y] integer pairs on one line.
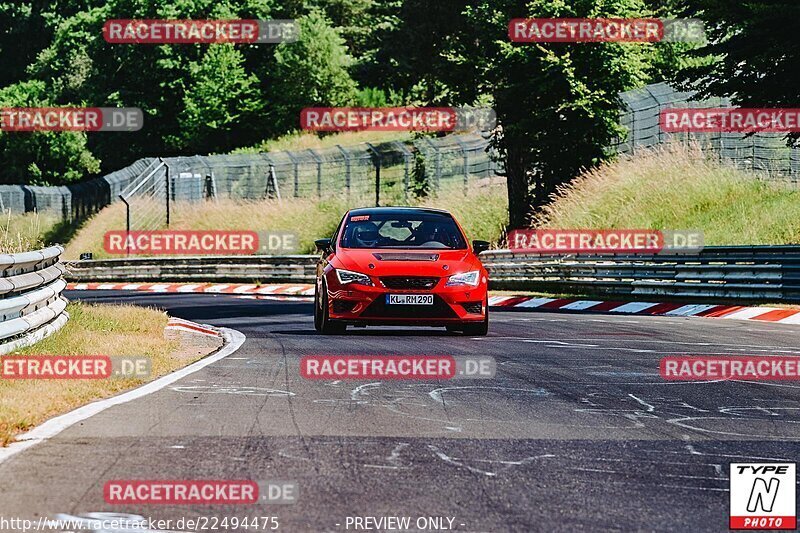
[[483, 213], [304, 140], [678, 188], [25, 232], [91, 330]]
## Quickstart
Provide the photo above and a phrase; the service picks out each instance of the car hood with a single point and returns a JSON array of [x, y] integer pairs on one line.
[[394, 262]]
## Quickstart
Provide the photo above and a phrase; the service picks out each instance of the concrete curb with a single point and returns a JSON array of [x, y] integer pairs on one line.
[[179, 324], [276, 292], [296, 289], [732, 312]]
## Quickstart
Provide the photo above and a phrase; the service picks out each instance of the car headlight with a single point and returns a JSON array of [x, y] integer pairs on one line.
[[465, 278], [348, 276]]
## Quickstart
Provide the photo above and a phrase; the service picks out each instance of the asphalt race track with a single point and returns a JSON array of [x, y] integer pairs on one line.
[[576, 432]]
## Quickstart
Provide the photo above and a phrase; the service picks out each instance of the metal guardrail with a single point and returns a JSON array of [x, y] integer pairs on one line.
[[31, 305], [235, 268], [768, 273]]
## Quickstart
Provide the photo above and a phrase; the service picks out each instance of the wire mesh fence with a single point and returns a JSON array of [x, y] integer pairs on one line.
[[387, 173], [765, 153], [390, 172], [147, 199], [75, 201]]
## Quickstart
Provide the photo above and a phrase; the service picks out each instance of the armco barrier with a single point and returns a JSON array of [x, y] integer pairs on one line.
[[31, 305], [766, 273], [253, 268]]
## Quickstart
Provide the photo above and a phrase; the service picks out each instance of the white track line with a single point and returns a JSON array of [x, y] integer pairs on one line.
[[793, 319], [748, 312], [633, 307], [535, 302], [689, 310], [581, 305], [54, 426]]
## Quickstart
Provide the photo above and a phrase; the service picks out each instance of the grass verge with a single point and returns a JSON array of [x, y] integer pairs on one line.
[[26, 231], [483, 213], [678, 188], [91, 330], [301, 140]]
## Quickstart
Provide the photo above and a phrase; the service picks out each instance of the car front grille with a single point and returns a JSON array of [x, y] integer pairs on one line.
[[411, 282]]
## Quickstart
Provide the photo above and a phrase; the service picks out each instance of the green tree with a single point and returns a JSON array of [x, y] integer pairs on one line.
[[419, 50], [756, 51], [221, 103], [557, 103], [79, 65], [41, 158], [312, 71], [26, 28]]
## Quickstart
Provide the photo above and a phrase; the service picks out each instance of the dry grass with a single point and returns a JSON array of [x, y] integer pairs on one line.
[[306, 140], [483, 214], [24, 232], [89, 237], [678, 188], [92, 329]]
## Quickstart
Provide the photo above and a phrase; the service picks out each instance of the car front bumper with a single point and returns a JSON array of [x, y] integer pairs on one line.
[[362, 304]]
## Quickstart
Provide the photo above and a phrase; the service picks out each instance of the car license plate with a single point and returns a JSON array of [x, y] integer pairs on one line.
[[409, 299]]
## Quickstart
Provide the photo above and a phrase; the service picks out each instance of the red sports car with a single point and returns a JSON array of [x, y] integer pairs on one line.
[[400, 266]]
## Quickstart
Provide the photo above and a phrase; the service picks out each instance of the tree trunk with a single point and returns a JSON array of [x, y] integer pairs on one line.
[[519, 197]]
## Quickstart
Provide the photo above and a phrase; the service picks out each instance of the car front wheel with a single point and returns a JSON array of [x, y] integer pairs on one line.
[[322, 320], [317, 309]]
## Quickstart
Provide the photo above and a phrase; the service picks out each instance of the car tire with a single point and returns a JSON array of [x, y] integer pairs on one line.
[[326, 325], [317, 310], [481, 329]]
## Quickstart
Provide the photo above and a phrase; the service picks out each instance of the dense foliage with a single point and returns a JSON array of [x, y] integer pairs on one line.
[[556, 103]]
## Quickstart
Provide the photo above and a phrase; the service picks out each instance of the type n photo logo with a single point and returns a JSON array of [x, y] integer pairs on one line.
[[763, 496]]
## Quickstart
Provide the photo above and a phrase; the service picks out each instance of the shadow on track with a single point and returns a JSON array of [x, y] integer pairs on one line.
[[364, 332]]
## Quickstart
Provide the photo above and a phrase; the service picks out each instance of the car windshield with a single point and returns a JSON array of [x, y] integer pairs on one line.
[[401, 230]]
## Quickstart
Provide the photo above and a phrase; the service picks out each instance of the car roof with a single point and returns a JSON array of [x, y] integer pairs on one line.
[[408, 211]]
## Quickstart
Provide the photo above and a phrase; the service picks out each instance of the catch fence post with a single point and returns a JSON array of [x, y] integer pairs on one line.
[[376, 160], [346, 169]]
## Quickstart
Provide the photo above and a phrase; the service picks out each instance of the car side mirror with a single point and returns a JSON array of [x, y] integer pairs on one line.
[[323, 245], [479, 246]]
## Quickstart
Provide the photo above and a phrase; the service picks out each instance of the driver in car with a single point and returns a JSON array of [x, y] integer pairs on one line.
[[366, 234], [427, 232]]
